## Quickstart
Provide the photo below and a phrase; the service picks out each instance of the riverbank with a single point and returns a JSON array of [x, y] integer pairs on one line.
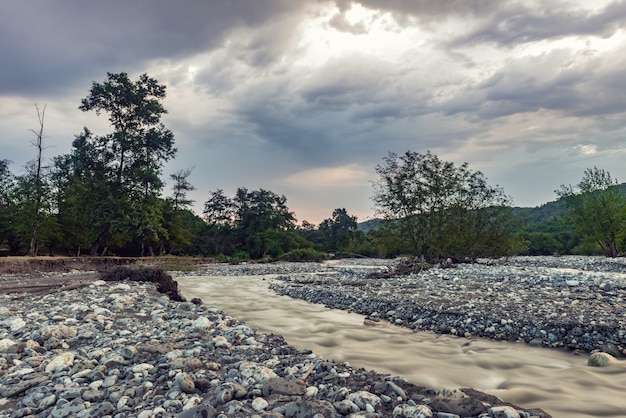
[[123, 350]]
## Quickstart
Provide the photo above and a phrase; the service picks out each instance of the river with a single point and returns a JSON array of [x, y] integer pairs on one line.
[[560, 383]]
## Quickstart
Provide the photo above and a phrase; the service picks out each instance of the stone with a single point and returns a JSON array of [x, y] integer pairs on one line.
[[503, 412], [363, 398], [459, 406], [600, 359], [202, 324], [309, 408], [282, 386], [185, 382], [15, 389], [412, 411], [62, 360], [199, 411], [259, 404], [396, 389], [220, 395], [259, 373], [69, 409]]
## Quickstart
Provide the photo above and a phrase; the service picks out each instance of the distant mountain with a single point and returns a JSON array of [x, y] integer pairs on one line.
[[368, 225]]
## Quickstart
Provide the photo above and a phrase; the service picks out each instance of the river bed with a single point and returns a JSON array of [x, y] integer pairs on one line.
[[559, 382]]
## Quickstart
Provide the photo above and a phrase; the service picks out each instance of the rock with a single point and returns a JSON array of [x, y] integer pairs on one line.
[[67, 409], [282, 386], [309, 408], [503, 412], [259, 404], [199, 411], [220, 395], [363, 398], [600, 359], [185, 382], [260, 374], [17, 388], [412, 411], [201, 324], [62, 360], [459, 406]]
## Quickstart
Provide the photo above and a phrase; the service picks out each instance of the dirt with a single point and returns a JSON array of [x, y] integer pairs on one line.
[[43, 275]]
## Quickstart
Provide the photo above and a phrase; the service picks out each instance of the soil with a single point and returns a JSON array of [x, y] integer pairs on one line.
[[43, 275]]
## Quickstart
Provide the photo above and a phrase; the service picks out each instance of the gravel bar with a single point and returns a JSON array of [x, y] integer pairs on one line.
[[124, 350], [569, 302]]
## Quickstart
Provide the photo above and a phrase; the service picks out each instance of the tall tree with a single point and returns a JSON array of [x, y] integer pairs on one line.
[[257, 222], [597, 209], [180, 188], [132, 155], [441, 209], [38, 144], [6, 191], [338, 230]]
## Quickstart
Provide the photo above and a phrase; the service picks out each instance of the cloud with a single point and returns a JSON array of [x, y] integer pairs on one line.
[[515, 23], [328, 177]]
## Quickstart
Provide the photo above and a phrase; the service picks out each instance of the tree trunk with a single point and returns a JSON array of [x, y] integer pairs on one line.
[[101, 239], [38, 143]]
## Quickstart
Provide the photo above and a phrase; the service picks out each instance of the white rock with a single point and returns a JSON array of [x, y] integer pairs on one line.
[[6, 343], [259, 404], [362, 398], [412, 411], [64, 359], [259, 373], [503, 412], [202, 324]]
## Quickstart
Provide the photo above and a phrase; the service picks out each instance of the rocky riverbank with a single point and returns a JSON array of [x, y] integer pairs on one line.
[[124, 350], [572, 303]]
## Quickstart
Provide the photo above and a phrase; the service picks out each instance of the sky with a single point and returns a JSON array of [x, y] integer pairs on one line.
[[305, 98]]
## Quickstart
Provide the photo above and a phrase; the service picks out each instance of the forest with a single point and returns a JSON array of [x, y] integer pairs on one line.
[[105, 197]]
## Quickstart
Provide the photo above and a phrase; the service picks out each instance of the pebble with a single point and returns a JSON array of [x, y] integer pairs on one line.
[[124, 350], [571, 302]]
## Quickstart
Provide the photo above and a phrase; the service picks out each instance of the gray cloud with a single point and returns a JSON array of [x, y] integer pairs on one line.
[[518, 23], [477, 81], [53, 44]]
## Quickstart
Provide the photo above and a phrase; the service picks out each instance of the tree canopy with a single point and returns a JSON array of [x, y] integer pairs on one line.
[[441, 209], [597, 209]]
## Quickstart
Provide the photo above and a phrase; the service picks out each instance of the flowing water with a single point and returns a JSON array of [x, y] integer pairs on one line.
[[560, 383]]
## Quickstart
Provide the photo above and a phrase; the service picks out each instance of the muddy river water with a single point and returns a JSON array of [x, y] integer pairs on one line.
[[560, 383]]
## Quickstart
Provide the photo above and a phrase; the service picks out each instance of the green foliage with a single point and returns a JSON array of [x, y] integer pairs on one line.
[[597, 210], [441, 209], [117, 175], [257, 222], [336, 233]]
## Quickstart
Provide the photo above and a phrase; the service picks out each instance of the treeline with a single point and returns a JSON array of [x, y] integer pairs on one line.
[[105, 198]]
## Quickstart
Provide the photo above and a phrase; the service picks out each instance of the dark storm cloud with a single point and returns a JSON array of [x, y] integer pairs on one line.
[[513, 23], [426, 9], [47, 45], [551, 81]]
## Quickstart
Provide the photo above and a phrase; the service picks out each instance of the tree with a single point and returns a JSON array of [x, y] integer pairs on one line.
[[338, 230], [180, 189], [597, 209], [440, 209], [257, 222], [130, 159], [38, 144], [6, 191]]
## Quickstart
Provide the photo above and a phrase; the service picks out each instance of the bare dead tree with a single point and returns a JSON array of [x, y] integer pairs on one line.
[[38, 144]]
